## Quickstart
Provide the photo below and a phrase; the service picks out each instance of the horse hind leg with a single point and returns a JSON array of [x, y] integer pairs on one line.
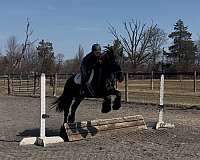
[[66, 112], [71, 117], [66, 108]]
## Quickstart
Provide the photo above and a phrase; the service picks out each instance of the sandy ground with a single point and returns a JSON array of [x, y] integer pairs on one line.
[[19, 117]]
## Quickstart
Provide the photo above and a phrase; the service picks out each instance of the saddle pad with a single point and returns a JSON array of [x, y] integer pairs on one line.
[[77, 78]]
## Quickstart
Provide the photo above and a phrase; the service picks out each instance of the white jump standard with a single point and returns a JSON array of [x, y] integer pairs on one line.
[[42, 140], [161, 123]]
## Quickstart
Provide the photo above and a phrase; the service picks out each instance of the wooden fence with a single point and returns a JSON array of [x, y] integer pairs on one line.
[[29, 84], [154, 77], [136, 87]]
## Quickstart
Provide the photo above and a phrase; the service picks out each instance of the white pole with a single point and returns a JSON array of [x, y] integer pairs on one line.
[[160, 119], [42, 96], [161, 123]]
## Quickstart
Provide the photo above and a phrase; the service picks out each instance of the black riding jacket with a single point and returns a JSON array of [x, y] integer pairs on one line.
[[87, 64]]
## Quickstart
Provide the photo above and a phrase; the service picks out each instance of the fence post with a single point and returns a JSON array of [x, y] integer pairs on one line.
[[152, 85], [34, 84], [20, 78], [27, 83], [126, 87], [4, 81], [195, 81], [9, 89], [55, 84]]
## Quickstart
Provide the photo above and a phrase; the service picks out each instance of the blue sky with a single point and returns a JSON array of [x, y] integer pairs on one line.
[[68, 23]]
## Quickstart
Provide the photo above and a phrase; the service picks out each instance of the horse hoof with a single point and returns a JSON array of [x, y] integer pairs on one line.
[[105, 110], [116, 107], [63, 134]]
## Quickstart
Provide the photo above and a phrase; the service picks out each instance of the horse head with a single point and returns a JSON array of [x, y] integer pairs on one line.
[[111, 61]]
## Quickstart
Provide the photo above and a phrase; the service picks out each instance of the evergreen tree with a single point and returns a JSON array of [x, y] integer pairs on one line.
[[46, 57], [182, 52]]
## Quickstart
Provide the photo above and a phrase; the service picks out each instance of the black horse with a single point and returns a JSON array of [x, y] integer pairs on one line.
[[102, 85]]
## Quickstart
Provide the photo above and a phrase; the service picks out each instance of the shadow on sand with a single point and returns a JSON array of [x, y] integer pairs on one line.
[[35, 132]]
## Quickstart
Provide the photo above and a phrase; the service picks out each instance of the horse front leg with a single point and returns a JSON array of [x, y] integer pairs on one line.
[[71, 117], [106, 106], [117, 101]]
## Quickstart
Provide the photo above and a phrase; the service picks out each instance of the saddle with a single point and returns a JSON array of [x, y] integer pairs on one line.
[[77, 78]]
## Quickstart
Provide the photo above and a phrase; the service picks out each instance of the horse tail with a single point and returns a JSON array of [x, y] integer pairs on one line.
[[59, 103], [65, 99]]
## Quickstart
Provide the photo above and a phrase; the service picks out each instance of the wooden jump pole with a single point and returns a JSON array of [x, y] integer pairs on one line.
[[88, 129]]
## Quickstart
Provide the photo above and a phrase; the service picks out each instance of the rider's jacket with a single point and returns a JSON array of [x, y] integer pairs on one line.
[[87, 64]]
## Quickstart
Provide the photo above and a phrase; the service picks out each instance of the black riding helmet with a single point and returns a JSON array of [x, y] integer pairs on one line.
[[96, 47]]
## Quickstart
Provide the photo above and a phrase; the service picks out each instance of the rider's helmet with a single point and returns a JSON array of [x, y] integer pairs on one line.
[[96, 47]]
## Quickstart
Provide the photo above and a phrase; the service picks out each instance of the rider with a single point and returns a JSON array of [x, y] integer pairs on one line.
[[88, 63]]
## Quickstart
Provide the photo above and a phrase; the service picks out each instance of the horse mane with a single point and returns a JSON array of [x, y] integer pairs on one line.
[[108, 56]]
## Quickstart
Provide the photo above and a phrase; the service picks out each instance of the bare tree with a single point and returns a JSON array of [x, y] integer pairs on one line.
[[118, 50], [18, 61], [68, 66], [80, 54], [12, 53], [30, 59], [136, 42], [3, 63], [59, 62], [78, 58], [73, 65], [156, 46]]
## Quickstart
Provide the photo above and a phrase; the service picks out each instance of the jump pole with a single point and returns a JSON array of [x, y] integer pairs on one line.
[[161, 123], [42, 140], [88, 129]]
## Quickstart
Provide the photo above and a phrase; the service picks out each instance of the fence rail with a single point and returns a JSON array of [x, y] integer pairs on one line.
[[181, 87]]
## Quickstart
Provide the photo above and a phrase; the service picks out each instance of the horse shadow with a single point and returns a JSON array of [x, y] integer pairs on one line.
[[75, 128], [35, 132]]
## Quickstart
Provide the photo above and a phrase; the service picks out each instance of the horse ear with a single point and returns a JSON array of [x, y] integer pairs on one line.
[[109, 49]]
